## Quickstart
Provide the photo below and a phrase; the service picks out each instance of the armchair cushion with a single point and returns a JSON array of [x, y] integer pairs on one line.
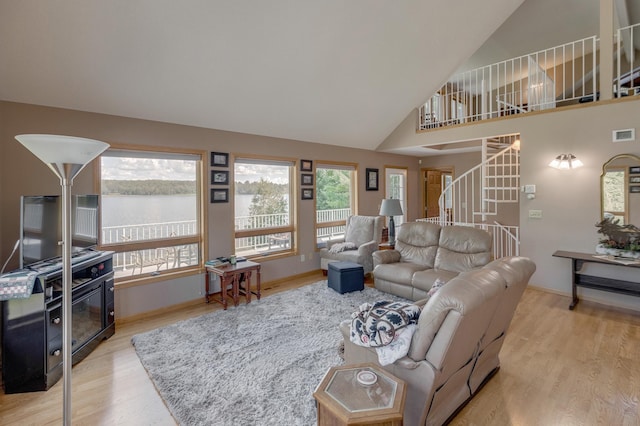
[[362, 229]]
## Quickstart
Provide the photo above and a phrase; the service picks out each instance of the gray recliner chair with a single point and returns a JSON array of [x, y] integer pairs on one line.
[[365, 234]]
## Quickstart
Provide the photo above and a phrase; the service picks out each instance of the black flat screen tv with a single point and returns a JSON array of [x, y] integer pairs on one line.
[[41, 226]]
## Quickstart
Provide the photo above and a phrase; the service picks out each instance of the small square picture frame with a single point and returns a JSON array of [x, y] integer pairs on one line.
[[634, 179], [371, 179], [219, 177], [634, 189], [307, 179], [219, 159], [306, 165], [307, 194], [634, 170], [219, 195]]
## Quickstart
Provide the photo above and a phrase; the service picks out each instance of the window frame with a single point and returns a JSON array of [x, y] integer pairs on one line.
[[353, 187], [293, 208], [160, 243], [404, 171]]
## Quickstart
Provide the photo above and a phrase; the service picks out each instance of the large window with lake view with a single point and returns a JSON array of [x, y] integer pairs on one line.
[[150, 211], [335, 199], [264, 206]]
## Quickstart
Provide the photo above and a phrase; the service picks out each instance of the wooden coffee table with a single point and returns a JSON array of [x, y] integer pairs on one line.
[[344, 400]]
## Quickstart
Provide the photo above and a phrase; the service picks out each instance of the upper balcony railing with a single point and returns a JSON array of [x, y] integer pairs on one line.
[[559, 76]]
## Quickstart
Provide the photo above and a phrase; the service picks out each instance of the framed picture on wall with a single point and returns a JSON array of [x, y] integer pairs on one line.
[[306, 165], [307, 179], [372, 179], [307, 194], [219, 177], [219, 159], [634, 179], [219, 195], [634, 189], [634, 170]]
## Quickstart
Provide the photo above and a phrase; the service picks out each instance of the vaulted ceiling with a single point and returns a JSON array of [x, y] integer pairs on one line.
[[332, 71]]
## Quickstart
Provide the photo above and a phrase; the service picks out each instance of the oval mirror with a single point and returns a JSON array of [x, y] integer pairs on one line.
[[620, 189]]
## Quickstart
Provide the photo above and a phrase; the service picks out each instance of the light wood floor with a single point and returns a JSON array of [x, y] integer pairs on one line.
[[559, 367]]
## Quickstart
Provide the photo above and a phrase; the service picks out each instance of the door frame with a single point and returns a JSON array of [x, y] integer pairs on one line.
[[423, 179]]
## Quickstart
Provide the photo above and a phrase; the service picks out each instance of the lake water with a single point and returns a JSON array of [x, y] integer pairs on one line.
[[121, 210]]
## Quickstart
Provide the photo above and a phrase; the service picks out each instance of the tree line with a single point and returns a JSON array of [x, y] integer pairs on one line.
[[149, 187]]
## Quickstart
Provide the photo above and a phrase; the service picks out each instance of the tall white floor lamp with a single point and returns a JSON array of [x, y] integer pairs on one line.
[[65, 156]]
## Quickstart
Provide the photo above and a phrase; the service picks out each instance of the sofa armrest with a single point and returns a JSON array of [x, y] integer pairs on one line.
[[385, 256]]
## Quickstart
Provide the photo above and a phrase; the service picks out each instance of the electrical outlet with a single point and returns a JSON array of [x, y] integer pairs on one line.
[[302, 258], [311, 256], [535, 214]]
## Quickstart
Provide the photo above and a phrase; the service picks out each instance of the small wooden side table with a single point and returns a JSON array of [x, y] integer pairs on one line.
[[234, 276], [343, 400]]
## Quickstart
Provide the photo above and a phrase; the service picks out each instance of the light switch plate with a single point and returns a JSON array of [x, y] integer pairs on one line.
[[535, 214]]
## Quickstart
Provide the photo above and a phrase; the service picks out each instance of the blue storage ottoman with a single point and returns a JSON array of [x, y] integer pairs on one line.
[[344, 277]]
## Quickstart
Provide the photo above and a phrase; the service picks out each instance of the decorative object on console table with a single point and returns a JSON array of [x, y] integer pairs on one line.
[[66, 156], [360, 394], [219, 159], [372, 179], [391, 207]]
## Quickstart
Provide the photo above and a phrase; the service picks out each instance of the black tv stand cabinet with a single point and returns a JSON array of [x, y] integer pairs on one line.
[[32, 328]]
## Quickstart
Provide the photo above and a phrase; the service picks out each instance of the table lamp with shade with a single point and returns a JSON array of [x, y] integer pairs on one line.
[[391, 207], [66, 156]]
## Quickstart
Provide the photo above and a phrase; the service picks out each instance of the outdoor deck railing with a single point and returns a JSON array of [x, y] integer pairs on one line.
[[260, 243]]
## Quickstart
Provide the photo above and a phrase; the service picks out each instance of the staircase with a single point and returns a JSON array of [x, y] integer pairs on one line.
[[474, 198]]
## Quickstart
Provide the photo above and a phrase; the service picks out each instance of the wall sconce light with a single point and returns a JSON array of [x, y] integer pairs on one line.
[[565, 162]]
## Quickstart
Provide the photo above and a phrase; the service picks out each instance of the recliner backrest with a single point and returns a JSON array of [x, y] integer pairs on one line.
[[417, 242], [462, 248], [516, 272], [463, 307], [363, 229]]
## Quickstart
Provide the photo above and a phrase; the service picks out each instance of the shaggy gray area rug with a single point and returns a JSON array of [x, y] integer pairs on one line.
[[256, 364]]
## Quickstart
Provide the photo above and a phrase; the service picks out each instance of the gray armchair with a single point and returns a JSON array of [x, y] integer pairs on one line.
[[364, 233]]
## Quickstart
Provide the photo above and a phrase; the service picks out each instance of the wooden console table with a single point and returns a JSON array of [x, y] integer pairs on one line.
[[593, 282], [234, 276]]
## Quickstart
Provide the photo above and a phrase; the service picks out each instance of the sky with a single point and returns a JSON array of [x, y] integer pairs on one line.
[[120, 168]]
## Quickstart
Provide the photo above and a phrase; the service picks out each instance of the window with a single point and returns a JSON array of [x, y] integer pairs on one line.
[[150, 207], [396, 187], [335, 199], [264, 206]]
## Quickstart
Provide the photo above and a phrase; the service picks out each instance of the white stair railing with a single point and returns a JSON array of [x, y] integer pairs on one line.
[[474, 196], [545, 79], [628, 61]]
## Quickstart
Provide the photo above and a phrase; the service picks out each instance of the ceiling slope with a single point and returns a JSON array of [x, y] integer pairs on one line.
[[334, 72]]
